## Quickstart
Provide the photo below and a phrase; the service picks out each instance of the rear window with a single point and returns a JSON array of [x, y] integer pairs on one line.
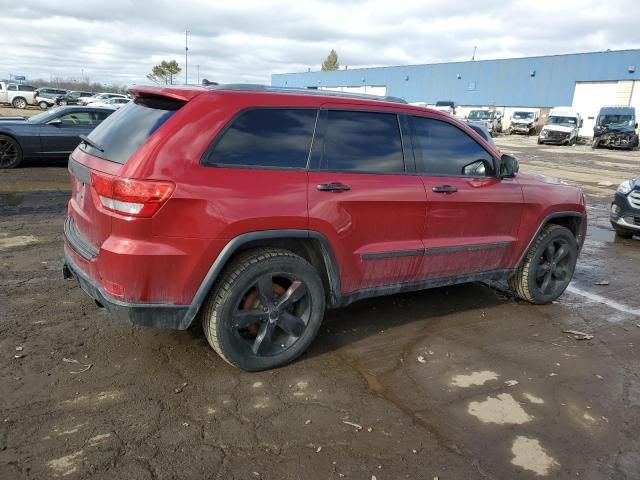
[[122, 133]]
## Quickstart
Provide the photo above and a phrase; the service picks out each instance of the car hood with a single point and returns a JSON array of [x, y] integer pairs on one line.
[[558, 128], [530, 177]]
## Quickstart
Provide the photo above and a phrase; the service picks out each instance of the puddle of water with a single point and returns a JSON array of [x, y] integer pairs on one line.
[[601, 234]]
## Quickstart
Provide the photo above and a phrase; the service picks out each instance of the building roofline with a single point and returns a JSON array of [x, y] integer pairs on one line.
[[411, 65]]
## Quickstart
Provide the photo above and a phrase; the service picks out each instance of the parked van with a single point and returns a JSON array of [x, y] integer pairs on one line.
[[616, 128], [562, 127]]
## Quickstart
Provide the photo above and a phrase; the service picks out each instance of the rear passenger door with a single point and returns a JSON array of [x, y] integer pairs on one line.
[[363, 199], [472, 215], [257, 172]]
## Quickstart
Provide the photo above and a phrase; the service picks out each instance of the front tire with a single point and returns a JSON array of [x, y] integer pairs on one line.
[[548, 266], [10, 152], [265, 310], [594, 143], [43, 105]]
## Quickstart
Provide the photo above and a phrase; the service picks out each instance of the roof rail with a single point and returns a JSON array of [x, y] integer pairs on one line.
[[250, 87]]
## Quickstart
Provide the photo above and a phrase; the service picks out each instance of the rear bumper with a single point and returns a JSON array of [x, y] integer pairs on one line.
[[171, 317]]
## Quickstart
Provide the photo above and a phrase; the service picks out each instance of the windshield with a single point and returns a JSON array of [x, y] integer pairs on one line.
[[480, 115], [625, 120], [43, 117], [565, 121], [523, 115]]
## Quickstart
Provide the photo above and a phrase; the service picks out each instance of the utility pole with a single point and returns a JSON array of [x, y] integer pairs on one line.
[[187, 34], [473, 57], [198, 66]]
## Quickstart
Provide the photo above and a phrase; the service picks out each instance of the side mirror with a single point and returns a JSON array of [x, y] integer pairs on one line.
[[56, 122], [475, 169], [508, 166], [636, 125], [581, 123]]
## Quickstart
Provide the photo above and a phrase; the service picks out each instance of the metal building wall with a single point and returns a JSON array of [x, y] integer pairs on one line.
[[507, 82]]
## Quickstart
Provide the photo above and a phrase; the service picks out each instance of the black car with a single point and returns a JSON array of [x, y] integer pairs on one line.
[[51, 93], [51, 134], [71, 98], [625, 209]]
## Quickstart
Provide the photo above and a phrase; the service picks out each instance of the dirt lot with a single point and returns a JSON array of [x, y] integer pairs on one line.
[[454, 383]]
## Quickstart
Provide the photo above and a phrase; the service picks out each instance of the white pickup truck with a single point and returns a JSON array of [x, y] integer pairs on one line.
[[17, 95]]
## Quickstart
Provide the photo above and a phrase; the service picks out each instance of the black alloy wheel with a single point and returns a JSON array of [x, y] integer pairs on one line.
[[548, 266], [265, 309], [553, 268], [10, 152], [272, 315]]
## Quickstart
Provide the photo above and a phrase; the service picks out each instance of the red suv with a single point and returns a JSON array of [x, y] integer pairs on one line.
[[254, 209]]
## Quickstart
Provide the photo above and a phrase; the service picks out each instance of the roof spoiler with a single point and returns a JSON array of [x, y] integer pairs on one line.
[[174, 93]]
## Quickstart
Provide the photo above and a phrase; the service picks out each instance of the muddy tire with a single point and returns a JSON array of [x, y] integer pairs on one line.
[[10, 152], [265, 309], [548, 266], [19, 102]]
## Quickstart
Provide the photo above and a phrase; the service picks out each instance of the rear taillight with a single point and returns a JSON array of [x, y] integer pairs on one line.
[[136, 198]]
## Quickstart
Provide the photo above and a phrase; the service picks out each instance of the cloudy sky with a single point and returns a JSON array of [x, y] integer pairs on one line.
[[246, 41]]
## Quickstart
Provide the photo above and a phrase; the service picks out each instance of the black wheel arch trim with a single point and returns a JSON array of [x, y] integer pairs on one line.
[[334, 297], [546, 220]]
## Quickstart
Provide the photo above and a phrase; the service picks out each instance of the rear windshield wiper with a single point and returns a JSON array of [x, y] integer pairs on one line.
[[91, 143]]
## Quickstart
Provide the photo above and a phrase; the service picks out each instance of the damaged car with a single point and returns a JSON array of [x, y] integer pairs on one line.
[[492, 119], [625, 209], [523, 121], [616, 128], [562, 127]]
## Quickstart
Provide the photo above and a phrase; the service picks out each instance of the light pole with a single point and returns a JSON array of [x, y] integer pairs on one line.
[[198, 66], [187, 34]]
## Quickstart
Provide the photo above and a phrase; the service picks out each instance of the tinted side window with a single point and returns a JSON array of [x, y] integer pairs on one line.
[[362, 142], [266, 137], [443, 149]]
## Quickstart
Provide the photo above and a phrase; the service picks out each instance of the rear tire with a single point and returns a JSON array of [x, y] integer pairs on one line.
[[548, 266], [265, 310], [10, 152], [19, 103]]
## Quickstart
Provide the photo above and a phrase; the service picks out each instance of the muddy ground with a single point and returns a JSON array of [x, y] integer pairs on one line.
[[452, 383]]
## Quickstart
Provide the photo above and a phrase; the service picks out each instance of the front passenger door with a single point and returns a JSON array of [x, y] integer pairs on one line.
[[472, 215]]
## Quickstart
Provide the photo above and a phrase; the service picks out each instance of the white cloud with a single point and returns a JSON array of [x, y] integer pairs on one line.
[[249, 40]]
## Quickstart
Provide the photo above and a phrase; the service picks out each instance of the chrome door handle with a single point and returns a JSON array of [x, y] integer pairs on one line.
[[333, 187], [444, 189]]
